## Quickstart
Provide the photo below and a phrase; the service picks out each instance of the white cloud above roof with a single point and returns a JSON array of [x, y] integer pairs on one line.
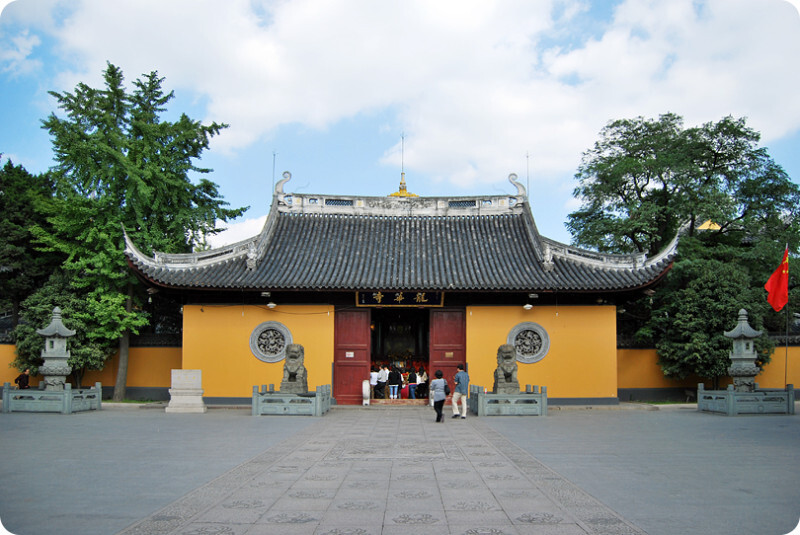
[[474, 85]]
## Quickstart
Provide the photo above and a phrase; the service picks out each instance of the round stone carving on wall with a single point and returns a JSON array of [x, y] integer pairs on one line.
[[269, 340], [531, 342]]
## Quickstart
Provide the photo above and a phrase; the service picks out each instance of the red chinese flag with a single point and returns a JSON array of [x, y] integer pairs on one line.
[[778, 284]]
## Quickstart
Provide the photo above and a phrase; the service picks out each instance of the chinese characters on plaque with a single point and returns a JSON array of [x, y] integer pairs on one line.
[[398, 298]]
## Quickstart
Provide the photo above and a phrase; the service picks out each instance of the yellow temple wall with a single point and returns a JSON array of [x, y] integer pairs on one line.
[[147, 367], [638, 368], [777, 373], [581, 362], [7, 372], [216, 340]]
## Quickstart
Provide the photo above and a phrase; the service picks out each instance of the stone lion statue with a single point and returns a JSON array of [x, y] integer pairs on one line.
[[295, 376], [505, 376]]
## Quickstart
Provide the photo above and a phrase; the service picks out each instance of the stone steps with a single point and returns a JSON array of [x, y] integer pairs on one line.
[[409, 402]]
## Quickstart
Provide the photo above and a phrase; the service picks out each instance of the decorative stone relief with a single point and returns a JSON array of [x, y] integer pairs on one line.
[[415, 518], [474, 506], [539, 518], [531, 342], [269, 340], [290, 518]]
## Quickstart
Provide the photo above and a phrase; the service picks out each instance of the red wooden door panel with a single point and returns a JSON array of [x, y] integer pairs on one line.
[[351, 355], [448, 342]]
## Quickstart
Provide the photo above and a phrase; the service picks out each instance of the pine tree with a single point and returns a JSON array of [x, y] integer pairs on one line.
[[120, 165]]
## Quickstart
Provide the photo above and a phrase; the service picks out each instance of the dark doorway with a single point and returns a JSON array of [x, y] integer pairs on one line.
[[400, 337]]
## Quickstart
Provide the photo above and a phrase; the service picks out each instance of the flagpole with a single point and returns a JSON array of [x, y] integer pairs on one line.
[[786, 359], [777, 288]]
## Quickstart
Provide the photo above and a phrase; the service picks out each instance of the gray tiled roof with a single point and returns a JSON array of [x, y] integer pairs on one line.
[[500, 251]]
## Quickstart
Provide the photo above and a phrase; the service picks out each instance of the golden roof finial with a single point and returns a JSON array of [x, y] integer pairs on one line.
[[403, 191]]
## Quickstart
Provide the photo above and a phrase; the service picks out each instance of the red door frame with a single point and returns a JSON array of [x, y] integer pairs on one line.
[[351, 354], [448, 342]]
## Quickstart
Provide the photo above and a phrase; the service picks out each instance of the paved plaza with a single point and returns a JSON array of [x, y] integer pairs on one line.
[[394, 470]]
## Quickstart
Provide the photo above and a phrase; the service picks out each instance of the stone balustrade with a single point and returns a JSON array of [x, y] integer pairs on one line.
[[532, 402], [731, 402], [66, 401], [270, 402]]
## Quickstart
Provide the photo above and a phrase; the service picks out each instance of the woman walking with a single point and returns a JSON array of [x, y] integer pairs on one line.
[[438, 394]]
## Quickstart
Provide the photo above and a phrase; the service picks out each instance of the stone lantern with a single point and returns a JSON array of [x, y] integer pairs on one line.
[[55, 354], [743, 368]]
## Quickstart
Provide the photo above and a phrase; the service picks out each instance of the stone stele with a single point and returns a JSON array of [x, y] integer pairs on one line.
[[505, 375], [186, 394]]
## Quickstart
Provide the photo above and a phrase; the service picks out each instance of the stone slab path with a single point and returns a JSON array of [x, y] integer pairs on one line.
[[361, 472]]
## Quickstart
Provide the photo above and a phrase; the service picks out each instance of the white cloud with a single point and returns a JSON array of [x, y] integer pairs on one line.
[[15, 59], [237, 231], [473, 83]]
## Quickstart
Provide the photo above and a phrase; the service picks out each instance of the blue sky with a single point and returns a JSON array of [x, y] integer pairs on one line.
[[479, 88]]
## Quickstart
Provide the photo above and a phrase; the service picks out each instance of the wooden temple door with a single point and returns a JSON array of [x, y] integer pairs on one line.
[[351, 354], [448, 342]]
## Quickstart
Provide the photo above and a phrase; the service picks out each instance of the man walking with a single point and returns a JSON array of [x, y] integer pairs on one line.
[[462, 388]]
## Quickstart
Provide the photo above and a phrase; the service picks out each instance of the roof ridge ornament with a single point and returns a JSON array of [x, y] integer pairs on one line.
[[252, 257], [520, 188], [287, 176]]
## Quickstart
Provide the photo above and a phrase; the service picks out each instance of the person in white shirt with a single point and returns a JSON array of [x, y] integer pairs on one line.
[[373, 381], [383, 376], [422, 383]]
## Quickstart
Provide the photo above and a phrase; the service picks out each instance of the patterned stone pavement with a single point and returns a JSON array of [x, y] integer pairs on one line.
[[361, 472]]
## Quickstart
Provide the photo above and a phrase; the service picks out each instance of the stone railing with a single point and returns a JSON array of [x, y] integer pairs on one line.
[[730, 402], [532, 402], [64, 401], [268, 401]]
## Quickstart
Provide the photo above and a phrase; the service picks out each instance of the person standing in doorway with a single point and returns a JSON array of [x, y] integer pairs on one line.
[[395, 380], [438, 394], [373, 381], [383, 376], [462, 388], [422, 383], [412, 384]]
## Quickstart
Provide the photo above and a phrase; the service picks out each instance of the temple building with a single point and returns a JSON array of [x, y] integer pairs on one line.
[[427, 282]]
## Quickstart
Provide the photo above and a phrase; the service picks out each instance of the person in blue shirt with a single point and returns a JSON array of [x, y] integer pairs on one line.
[[462, 388]]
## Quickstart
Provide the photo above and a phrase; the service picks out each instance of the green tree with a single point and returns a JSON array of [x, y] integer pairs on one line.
[[22, 268], [646, 178], [86, 352], [121, 165], [699, 302]]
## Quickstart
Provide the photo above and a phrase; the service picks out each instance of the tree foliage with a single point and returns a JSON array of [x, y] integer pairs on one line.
[[87, 352], [22, 268], [699, 302], [120, 164], [646, 178]]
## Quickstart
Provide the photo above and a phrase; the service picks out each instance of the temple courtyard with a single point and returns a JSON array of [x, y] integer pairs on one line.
[[630, 469]]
